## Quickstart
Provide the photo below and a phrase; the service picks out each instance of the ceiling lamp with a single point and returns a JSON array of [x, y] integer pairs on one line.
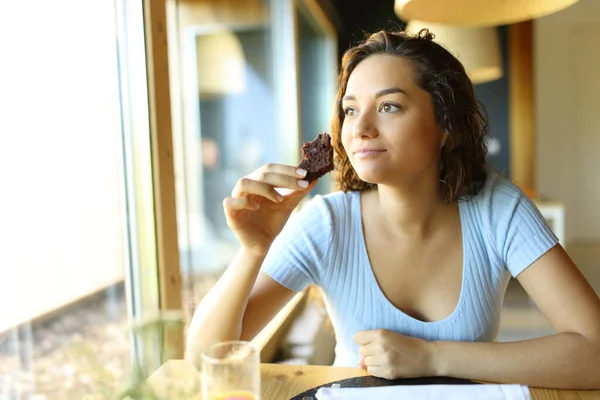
[[477, 12], [221, 64], [478, 49]]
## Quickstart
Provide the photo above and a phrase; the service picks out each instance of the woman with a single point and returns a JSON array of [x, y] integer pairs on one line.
[[414, 253]]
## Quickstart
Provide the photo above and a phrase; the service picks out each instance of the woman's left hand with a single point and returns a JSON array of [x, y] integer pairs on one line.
[[390, 355]]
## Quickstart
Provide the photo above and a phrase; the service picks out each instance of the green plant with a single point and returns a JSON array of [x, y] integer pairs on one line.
[[155, 341]]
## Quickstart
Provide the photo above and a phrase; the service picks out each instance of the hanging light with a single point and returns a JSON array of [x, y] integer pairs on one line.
[[478, 49], [477, 12], [221, 64]]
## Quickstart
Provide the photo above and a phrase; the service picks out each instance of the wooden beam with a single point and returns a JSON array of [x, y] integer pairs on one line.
[[159, 100], [162, 154], [521, 106], [269, 339]]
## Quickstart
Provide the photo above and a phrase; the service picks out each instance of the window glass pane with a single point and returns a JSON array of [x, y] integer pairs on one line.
[[63, 314], [227, 114]]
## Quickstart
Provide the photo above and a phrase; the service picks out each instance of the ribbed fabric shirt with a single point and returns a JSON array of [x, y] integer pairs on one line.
[[503, 233]]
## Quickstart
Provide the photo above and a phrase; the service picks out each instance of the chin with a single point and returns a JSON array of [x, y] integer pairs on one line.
[[387, 177], [370, 177]]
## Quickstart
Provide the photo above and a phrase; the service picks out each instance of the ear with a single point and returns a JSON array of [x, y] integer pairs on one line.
[[444, 139]]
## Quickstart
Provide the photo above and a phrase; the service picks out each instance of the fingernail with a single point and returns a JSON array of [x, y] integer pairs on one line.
[[279, 197], [301, 172], [303, 184]]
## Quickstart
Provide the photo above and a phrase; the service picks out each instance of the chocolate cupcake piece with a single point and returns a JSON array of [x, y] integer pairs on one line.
[[317, 157]]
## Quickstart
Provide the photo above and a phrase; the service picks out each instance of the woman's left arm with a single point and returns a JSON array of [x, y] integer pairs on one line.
[[568, 359]]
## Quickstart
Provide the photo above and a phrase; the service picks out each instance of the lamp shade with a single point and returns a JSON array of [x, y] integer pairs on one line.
[[477, 12], [221, 64], [478, 49]]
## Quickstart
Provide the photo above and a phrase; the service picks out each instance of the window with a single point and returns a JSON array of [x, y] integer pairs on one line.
[[63, 318], [234, 108], [79, 250]]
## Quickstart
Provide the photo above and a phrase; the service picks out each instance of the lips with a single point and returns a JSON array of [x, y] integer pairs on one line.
[[368, 150]]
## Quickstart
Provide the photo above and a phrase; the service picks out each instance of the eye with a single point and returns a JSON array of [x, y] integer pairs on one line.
[[349, 111], [388, 107]]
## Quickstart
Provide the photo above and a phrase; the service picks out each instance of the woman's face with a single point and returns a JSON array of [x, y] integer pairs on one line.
[[389, 130]]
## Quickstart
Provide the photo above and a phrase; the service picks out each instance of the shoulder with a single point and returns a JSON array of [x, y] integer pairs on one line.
[[499, 196], [501, 204], [321, 211], [340, 199], [517, 229], [498, 188], [330, 205]]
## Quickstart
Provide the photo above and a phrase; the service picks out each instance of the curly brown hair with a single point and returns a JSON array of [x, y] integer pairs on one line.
[[456, 109]]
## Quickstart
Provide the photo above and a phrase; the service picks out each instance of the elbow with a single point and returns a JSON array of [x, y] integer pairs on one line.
[[191, 353], [591, 372], [595, 351], [197, 343]]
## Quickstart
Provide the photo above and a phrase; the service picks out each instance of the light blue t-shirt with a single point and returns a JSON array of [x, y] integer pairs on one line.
[[503, 233]]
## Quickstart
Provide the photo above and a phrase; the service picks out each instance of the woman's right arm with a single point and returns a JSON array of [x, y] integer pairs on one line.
[[240, 304], [245, 299]]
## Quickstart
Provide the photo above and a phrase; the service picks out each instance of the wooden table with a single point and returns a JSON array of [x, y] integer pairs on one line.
[[282, 382]]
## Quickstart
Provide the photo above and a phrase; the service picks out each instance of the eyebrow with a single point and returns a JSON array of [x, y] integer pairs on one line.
[[379, 94]]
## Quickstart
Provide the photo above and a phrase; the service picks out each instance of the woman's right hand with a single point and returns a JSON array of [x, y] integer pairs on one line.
[[256, 212]]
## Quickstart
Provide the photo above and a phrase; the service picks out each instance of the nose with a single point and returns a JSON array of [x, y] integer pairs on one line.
[[364, 127]]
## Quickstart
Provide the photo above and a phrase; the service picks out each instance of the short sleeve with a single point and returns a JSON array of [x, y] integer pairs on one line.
[[299, 251], [521, 233]]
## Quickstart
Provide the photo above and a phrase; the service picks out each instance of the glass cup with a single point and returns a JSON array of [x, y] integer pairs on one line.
[[231, 371]]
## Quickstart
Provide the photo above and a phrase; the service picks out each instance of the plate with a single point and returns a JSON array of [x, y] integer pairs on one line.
[[371, 381]]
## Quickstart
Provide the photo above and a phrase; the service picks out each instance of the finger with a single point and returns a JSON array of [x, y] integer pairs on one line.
[[249, 186], [239, 203], [365, 337], [283, 170], [361, 363], [295, 197], [370, 349], [380, 372], [280, 180], [371, 361]]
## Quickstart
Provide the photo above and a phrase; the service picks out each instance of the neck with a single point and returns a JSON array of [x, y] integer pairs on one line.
[[411, 209]]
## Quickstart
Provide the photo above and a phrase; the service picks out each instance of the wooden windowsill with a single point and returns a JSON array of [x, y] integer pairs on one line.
[[269, 339]]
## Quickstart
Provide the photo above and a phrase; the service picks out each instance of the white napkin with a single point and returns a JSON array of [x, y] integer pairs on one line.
[[427, 392]]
